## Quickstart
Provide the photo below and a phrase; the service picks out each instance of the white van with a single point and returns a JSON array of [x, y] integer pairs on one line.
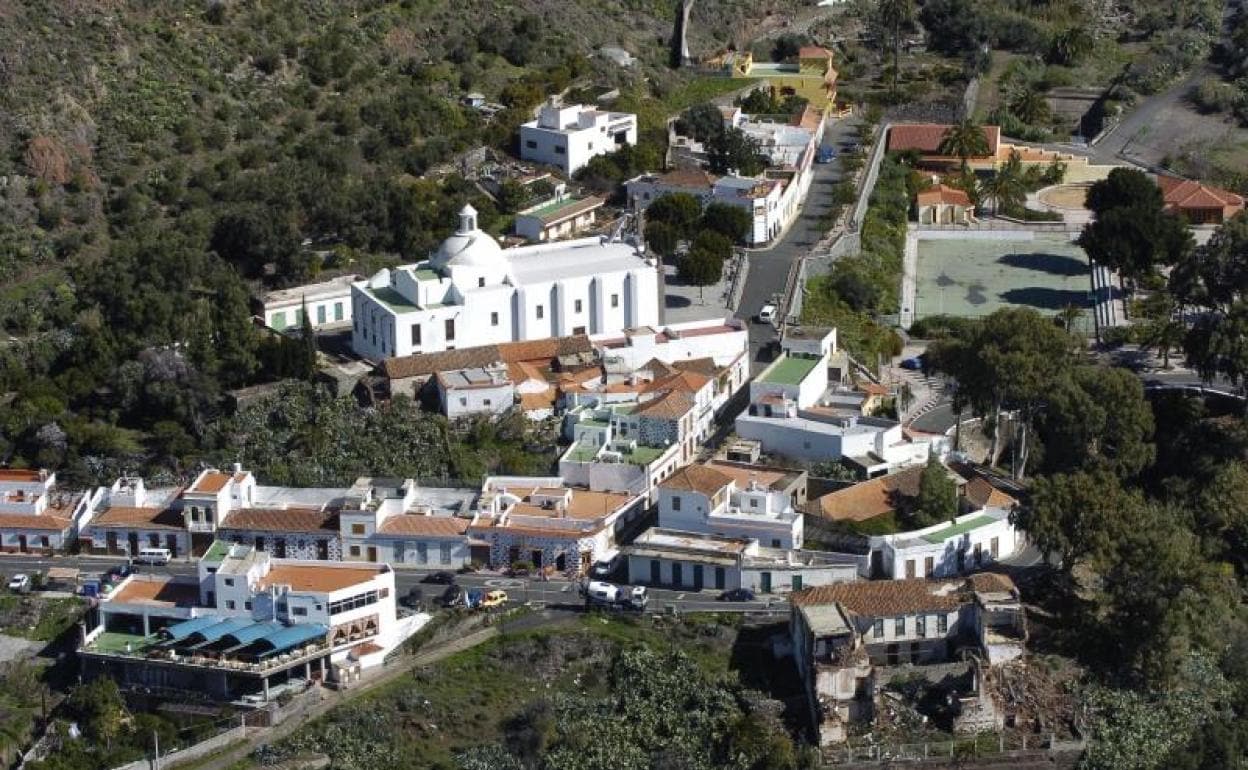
[[157, 556], [603, 593]]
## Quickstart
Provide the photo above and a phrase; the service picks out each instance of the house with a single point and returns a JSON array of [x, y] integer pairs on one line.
[[793, 413], [810, 74], [36, 517], [132, 517], [247, 628], [981, 535], [722, 340], [696, 561], [644, 189], [846, 636], [925, 140], [567, 137], [944, 205], [703, 499], [400, 522], [542, 360], [548, 523], [557, 218], [472, 292], [328, 303], [475, 390], [1198, 203]]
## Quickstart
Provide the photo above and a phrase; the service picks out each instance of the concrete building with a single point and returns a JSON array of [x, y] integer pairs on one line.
[[472, 292], [547, 523], [131, 517], [476, 390], [1198, 203], [246, 629], [567, 137], [38, 518], [810, 74], [944, 205], [560, 217], [328, 304], [697, 561], [705, 500], [723, 340], [846, 636]]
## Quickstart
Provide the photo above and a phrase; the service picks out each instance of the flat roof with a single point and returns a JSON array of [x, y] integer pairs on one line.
[[961, 528], [391, 299], [824, 619], [586, 257], [557, 211], [789, 370], [335, 287], [658, 537], [164, 592]]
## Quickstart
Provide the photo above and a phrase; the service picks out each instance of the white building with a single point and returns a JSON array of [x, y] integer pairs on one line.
[[567, 137], [473, 293], [560, 217], [723, 340], [969, 542], [549, 524], [248, 627], [328, 303], [793, 413], [36, 517], [477, 390], [696, 561], [701, 499]]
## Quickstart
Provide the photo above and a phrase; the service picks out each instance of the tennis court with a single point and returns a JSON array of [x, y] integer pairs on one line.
[[972, 277]]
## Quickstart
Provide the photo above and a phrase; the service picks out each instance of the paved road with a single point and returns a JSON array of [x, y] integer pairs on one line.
[[770, 268], [552, 592]]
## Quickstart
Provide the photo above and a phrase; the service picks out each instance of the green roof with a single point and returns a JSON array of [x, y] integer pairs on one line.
[[789, 370], [583, 454], [217, 551], [426, 274], [566, 207], [115, 641], [941, 535], [392, 299], [643, 455], [593, 423]]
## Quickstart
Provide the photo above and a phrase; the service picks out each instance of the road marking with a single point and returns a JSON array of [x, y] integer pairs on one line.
[[680, 597]]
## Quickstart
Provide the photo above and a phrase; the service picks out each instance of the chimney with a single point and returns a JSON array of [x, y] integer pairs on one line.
[[238, 467]]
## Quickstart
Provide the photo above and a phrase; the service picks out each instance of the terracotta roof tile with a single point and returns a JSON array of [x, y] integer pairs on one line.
[[943, 194], [982, 494], [19, 474], [306, 577], [926, 138], [282, 520], [688, 177], [883, 598], [1187, 194], [165, 592], [698, 478], [992, 582], [703, 366], [813, 52], [672, 405], [426, 364], [32, 521], [430, 526], [125, 517], [868, 499], [210, 483]]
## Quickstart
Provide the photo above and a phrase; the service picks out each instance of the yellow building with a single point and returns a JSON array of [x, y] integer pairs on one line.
[[811, 76]]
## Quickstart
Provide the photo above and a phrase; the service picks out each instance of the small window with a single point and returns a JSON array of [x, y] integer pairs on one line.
[[577, 306], [450, 329], [753, 502], [541, 312], [357, 529], [463, 401], [675, 502], [337, 311], [877, 629], [300, 611], [615, 300], [229, 604], [229, 582], [247, 605], [355, 550], [899, 627], [531, 144], [320, 314], [493, 319], [942, 624], [416, 334], [561, 151], [920, 626], [775, 542], [485, 402], [481, 282], [591, 146]]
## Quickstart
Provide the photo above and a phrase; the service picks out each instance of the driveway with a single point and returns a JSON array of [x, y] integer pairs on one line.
[[769, 268]]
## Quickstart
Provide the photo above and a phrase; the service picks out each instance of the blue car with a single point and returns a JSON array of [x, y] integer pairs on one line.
[[912, 364], [826, 155]]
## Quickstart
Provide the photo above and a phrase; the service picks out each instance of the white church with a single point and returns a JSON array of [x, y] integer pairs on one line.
[[473, 292]]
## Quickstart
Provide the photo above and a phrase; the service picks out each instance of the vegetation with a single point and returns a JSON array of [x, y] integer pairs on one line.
[[1131, 231], [937, 500]]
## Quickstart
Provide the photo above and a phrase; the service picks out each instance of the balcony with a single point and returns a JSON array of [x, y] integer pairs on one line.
[[113, 644]]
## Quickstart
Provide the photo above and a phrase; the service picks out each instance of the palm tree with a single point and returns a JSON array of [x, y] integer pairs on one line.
[[1006, 187], [894, 15], [1070, 45], [1068, 316], [1164, 330], [1031, 107], [964, 140]]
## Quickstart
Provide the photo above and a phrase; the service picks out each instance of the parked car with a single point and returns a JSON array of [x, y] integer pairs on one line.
[[19, 583], [737, 595], [767, 314], [118, 573], [912, 364], [601, 594], [494, 599], [414, 598], [442, 578], [605, 567], [452, 596], [826, 154], [154, 556]]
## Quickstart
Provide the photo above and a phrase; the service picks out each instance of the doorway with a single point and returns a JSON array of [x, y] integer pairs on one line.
[[372, 553], [21, 543], [133, 542], [677, 577], [697, 577], [765, 582]]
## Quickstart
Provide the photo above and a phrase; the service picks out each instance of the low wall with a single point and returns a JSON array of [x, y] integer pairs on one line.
[[213, 744]]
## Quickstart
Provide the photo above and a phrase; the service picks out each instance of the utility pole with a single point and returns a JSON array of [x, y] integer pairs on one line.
[[156, 760]]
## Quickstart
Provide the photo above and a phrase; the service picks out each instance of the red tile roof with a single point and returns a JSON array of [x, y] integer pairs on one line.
[[308, 577], [1185, 194], [32, 521], [943, 194], [429, 526], [19, 474], [688, 177], [698, 478], [926, 138], [210, 483], [672, 405], [868, 499], [983, 494], [425, 364], [282, 520], [126, 517], [813, 52], [882, 598]]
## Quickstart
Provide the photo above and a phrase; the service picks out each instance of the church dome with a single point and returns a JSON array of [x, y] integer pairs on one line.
[[469, 247]]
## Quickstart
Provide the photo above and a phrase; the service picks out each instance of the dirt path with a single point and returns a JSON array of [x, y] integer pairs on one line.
[[333, 699]]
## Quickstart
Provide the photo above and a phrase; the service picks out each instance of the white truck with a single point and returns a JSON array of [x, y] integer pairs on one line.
[[600, 594]]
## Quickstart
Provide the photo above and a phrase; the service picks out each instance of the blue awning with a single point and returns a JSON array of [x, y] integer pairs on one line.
[[290, 637], [179, 631], [217, 630], [246, 636]]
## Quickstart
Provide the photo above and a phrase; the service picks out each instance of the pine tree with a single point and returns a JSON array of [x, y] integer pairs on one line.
[[308, 336]]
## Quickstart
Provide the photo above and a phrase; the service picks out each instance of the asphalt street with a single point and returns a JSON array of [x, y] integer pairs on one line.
[[769, 268], [520, 590]]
